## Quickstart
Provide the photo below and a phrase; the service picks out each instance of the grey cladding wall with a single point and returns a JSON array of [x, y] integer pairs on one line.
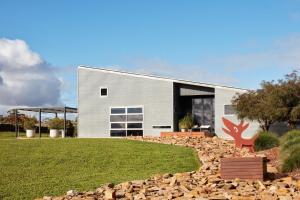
[[223, 97], [123, 90]]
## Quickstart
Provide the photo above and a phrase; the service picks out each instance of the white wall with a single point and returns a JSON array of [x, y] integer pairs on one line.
[[223, 96]]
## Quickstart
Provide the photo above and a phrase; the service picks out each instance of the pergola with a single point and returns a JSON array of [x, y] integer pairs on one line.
[[41, 110]]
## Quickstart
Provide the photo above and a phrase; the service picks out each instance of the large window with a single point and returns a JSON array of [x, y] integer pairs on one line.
[[126, 121]]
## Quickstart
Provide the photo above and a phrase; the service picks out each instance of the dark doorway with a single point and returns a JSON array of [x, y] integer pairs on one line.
[[196, 100]]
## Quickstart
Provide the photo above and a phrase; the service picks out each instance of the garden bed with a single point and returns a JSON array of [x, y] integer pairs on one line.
[[184, 134]]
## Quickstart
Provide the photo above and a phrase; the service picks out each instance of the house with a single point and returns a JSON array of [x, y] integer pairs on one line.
[[116, 104]]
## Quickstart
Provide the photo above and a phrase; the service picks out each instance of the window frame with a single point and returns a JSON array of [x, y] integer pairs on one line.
[[100, 89], [126, 122]]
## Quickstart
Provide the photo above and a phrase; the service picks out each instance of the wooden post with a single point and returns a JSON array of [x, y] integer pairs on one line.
[[40, 122], [65, 117], [16, 122]]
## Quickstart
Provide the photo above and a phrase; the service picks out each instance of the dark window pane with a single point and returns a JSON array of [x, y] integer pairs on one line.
[[118, 133], [134, 125], [117, 110], [103, 91], [135, 110], [229, 110], [134, 118], [118, 118], [134, 133], [117, 125]]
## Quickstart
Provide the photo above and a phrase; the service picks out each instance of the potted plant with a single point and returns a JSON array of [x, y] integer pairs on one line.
[[182, 125], [55, 125], [29, 125], [186, 123]]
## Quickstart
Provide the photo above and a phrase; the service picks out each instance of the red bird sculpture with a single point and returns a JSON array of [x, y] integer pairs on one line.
[[236, 131]]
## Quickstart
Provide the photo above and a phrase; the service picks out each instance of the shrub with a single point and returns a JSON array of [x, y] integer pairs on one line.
[[265, 140], [290, 151], [289, 145], [186, 122], [29, 124], [290, 135], [292, 161], [56, 123]]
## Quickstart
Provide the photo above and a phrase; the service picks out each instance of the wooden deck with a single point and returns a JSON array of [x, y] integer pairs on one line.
[[184, 134], [247, 168]]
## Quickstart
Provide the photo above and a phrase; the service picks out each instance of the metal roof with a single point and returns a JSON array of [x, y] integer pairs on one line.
[[161, 78], [47, 109]]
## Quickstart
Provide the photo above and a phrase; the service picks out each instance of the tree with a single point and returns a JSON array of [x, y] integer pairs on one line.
[[288, 99], [255, 105], [11, 119], [274, 102]]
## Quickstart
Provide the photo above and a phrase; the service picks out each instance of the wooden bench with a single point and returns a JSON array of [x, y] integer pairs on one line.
[[245, 168]]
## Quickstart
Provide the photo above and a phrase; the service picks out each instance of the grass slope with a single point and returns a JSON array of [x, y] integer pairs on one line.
[[38, 167]]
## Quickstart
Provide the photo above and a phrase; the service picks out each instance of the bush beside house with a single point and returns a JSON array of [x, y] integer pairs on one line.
[[290, 151], [292, 162], [289, 148], [265, 140]]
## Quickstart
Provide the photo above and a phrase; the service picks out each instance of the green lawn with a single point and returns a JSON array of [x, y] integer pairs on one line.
[[38, 167]]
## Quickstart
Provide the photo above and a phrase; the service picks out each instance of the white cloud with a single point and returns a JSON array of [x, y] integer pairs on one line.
[[25, 78], [16, 54]]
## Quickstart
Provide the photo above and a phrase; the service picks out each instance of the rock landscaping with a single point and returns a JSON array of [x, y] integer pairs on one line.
[[203, 184]]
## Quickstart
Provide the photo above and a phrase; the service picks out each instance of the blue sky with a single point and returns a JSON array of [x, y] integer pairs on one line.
[[237, 43]]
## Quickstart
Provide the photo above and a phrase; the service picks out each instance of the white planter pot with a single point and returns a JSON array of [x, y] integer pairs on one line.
[[183, 130], [62, 133], [54, 133], [30, 133]]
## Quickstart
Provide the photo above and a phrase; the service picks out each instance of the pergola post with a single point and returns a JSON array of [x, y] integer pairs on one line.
[[40, 122], [65, 117], [16, 122]]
